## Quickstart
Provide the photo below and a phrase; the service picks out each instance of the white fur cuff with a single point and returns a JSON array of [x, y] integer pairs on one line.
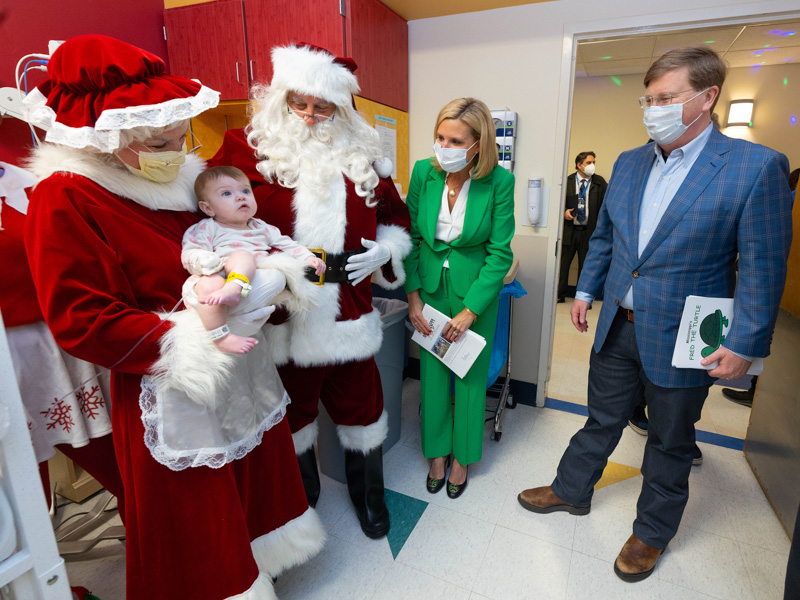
[[398, 241], [189, 361], [300, 293], [260, 590], [364, 438], [290, 545], [305, 438]]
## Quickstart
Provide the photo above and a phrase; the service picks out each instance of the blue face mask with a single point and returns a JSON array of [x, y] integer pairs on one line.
[[452, 160]]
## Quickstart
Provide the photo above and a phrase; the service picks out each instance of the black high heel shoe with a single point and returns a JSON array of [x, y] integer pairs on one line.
[[454, 490], [434, 485]]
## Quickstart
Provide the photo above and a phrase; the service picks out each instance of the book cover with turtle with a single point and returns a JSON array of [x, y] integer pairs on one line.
[[704, 325]]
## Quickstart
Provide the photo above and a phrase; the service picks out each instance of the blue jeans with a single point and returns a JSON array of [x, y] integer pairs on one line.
[[617, 383]]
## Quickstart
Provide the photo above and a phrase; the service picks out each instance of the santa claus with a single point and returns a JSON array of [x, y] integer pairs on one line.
[[319, 176]]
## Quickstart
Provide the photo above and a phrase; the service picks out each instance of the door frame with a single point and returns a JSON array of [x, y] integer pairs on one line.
[[738, 14]]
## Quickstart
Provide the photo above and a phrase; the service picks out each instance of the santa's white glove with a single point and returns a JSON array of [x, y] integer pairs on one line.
[[361, 266], [204, 262], [250, 322]]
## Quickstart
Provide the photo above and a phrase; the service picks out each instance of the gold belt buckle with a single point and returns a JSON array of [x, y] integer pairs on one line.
[[320, 252]]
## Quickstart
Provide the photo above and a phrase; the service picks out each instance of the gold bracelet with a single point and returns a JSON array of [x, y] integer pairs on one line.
[[469, 310]]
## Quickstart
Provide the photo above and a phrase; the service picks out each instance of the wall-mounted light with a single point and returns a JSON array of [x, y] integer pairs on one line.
[[740, 113]]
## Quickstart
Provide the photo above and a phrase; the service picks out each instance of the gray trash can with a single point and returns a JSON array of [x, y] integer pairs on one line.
[[390, 360]]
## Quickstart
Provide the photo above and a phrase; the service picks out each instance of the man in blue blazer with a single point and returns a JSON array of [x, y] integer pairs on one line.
[[675, 215]]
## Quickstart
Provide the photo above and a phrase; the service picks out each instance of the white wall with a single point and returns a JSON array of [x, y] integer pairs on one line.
[[607, 119], [513, 57]]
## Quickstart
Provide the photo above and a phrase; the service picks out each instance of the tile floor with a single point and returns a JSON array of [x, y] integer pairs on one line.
[[484, 546]]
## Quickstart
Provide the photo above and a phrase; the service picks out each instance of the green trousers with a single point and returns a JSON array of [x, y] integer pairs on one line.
[[445, 430]]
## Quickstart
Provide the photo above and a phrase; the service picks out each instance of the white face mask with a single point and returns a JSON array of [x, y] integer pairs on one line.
[[452, 160], [665, 123], [588, 170]]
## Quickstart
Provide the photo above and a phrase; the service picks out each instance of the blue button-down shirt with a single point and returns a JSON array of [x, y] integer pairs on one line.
[[666, 177]]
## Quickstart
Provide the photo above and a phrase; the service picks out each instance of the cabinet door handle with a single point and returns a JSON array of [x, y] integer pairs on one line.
[[252, 78], [238, 80]]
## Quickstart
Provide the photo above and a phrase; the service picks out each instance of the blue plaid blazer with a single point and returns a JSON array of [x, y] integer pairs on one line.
[[735, 200]]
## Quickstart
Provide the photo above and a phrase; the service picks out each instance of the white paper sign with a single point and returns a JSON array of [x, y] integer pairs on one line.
[[388, 137], [457, 356]]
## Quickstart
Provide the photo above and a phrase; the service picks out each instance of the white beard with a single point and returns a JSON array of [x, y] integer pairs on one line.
[[319, 154]]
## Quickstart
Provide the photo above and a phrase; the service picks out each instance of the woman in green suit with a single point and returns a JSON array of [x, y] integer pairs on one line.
[[462, 221]]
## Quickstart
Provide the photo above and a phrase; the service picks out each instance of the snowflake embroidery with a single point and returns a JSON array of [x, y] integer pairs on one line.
[[90, 401], [59, 415]]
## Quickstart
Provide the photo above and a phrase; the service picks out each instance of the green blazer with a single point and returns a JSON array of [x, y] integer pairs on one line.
[[481, 257]]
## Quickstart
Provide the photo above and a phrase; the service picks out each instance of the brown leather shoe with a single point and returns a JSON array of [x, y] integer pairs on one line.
[[636, 560], [543, 500]]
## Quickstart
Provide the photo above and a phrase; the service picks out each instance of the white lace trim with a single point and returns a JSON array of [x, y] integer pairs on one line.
[[105, 134], [178, 460]]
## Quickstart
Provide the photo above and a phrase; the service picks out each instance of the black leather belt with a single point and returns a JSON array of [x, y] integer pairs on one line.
[[579, 227], [334, 266], [628, 314]]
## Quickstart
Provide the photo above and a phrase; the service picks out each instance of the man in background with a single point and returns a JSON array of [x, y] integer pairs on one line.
[[585, 191]]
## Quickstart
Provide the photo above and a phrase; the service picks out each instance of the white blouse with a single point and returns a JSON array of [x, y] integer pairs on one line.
[[449, 225]]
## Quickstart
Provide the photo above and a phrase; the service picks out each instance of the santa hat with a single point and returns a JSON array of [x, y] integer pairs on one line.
[[99, 86], [314, 71]]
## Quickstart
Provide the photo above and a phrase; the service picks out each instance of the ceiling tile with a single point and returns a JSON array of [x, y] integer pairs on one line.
[[774, 35], [721, 39], [628, 48], [746, 58], [617, 67]]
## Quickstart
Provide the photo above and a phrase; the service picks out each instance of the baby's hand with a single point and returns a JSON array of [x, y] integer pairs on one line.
[[317, 263]]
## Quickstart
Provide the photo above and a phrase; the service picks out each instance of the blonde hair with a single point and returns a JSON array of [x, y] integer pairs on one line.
[[476, 115]]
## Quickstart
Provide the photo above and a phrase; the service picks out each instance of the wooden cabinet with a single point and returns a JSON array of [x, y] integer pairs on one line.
[[378, 42], [226, 44], [280, 22], [207, 42]]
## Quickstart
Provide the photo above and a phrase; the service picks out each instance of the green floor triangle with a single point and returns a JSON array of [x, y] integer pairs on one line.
[[404, 512]]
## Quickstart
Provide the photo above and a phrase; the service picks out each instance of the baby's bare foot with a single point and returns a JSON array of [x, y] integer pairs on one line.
[[235, 344], [229, 294]]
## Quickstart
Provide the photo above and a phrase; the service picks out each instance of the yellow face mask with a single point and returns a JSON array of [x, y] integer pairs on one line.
[[161, 167]]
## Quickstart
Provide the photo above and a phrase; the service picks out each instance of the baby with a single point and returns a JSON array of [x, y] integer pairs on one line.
[[221, 253]]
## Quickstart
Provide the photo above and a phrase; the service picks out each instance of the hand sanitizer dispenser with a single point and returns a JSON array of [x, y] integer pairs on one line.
[[535, 199]]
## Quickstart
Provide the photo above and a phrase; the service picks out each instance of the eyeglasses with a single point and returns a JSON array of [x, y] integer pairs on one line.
[[319, 118], [661, 99], [196, 143]]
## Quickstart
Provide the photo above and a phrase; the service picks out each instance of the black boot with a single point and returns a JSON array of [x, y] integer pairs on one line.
[[365, 484], [740, 397], [308, 470]]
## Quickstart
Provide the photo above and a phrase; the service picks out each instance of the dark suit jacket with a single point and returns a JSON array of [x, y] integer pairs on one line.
[[597, 191]]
